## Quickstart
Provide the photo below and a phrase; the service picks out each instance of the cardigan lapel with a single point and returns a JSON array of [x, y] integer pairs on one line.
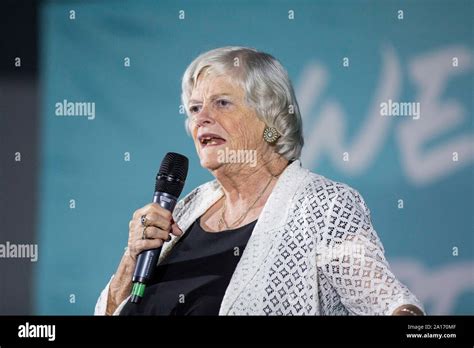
[[266, 231]]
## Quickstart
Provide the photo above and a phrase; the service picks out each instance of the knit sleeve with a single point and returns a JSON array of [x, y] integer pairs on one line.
[[350, 258]]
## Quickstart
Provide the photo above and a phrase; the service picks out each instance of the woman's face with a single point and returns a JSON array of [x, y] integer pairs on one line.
[[220, 119]]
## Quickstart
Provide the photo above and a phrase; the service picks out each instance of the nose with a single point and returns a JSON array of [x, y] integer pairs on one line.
[[203, 118]]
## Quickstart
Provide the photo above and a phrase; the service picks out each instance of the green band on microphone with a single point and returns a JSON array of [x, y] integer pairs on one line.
[[138, 289]]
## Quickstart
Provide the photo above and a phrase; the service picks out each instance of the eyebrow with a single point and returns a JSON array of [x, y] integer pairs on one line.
[[212, 97]]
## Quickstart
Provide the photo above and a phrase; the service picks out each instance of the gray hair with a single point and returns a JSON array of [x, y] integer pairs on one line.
[[267, 87]]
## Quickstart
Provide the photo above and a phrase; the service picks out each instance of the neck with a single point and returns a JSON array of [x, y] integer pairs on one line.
[[243, 184]]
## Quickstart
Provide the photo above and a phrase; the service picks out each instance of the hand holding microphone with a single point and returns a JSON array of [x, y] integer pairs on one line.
[[150, 228], [144, 244]]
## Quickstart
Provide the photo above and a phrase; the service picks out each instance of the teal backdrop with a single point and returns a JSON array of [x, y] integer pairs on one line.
[[416, 175]]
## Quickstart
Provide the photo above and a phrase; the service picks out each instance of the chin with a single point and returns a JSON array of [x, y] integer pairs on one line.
[[209, 161], [210, 165]]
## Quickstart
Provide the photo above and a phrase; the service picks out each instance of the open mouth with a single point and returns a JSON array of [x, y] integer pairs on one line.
[[210, 140]]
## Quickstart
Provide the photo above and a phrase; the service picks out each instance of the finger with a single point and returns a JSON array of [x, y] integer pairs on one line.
[[154, 233], [154, 219], [157, 209], [176, 230], [137, 214], [151, 208], [147, 244]]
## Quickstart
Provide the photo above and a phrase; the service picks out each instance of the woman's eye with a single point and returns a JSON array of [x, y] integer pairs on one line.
[[193, 109], [223, 102]]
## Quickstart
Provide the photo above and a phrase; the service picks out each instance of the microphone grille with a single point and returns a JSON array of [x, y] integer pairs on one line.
[[172, 174]]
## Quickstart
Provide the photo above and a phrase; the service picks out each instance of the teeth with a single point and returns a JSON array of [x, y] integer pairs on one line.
[[208, 141]]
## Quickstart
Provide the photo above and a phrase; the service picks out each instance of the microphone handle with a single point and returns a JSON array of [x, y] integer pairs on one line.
[[147, 259]]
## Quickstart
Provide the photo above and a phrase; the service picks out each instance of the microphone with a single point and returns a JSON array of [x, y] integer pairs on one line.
[[169, 185]]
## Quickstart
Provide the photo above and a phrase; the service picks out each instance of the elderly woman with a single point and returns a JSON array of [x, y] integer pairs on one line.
[[266, 237]]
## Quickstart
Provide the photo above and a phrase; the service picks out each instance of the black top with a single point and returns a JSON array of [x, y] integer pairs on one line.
[[194, 276]]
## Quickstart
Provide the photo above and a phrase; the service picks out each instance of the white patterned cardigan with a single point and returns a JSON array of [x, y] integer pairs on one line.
[[313, 251]]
